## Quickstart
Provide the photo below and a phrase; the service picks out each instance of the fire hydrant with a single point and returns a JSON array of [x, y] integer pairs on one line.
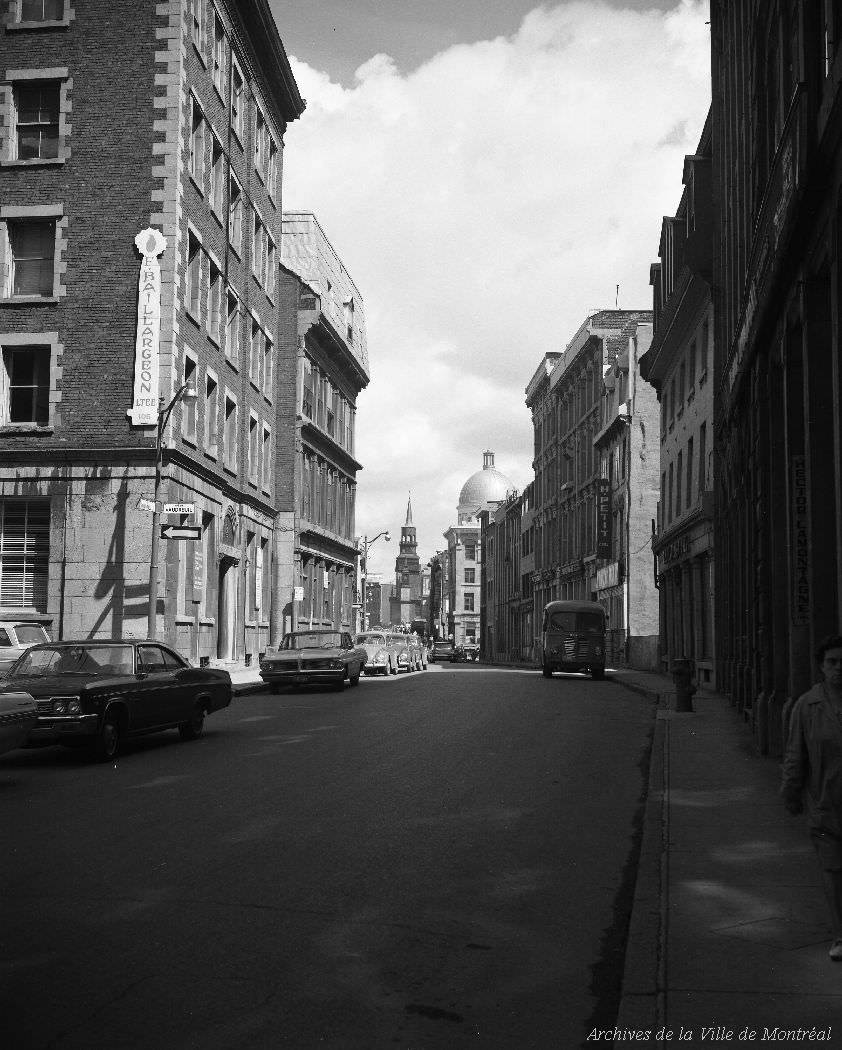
[[682, 676]]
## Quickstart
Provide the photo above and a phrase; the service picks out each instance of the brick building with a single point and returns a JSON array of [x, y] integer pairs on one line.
[[777, 184], [119, 119], [323, 332], [583, 437], [679, 364]]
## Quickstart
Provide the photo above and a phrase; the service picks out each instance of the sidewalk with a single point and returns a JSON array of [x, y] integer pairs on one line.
[[729, 926]]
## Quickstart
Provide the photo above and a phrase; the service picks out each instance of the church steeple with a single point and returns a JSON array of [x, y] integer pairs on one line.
[[409, 545]]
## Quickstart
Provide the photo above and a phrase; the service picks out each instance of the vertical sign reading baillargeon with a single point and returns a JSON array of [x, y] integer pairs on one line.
[[144, 411]]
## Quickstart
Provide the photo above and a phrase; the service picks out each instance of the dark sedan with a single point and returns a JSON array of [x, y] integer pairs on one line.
[[98, 693]]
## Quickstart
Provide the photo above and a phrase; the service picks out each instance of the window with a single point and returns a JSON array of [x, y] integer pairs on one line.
[[349, 319], [24, 553], [261, 143], [37, 106], [268, 354], [670, 494], [238, 103], [267, 458], [679, 468], [470, 552], [217, 177], [253, 449], [197, 145], [271, 266], [258, 249], [470, 575], [25, 384], [308, 390], [255, 351], [41, 10], [235, 215], [199, 23], [211, 415], [230, 435], [273, 172], [220, 55], [188, 407], [689, 492], [32, 249], [214, 318], [194, 276], [702, 455], [469, 602], [232, 328]]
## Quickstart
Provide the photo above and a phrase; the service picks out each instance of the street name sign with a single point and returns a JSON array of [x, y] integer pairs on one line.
[[181, 532], [179, 508]]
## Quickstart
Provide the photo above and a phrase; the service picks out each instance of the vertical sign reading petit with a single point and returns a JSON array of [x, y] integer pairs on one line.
[[144, 411], [603, 518]]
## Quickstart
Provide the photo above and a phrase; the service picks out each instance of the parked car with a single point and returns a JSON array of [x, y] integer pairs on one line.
[[406, 655], [442, 652], [16, 636], [99, 693], [381, 652], [420, 652], [18, 714], [312, 657]]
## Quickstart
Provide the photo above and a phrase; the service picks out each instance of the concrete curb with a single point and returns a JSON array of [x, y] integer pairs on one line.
[[642, 1001]]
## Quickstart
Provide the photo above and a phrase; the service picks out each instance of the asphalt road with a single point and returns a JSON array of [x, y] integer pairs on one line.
[[439, 861]]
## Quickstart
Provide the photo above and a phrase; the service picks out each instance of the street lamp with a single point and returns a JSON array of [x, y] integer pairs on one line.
[[366, 544], [186, 392]]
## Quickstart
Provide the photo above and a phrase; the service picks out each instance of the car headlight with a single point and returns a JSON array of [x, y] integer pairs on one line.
[[66, 705], [337, 665], [380, 656]]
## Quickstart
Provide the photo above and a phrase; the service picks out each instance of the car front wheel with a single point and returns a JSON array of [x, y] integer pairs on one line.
[[107, 743], [192, 730]]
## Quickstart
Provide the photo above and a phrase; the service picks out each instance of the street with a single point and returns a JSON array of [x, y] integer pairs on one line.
[[435, 861]]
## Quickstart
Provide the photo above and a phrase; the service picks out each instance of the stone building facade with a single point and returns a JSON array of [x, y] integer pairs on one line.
[[192, 101], [506, 611], [777, 183], [679, 364], [323, 332], [580, 435]]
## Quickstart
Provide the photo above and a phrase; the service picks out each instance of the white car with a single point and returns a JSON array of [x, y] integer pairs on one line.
[[16, 636]]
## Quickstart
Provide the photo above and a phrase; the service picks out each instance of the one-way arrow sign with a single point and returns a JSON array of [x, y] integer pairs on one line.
[[181, 532]]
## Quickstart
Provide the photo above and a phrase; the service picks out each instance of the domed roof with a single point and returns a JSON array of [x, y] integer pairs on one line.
[[484, 487]]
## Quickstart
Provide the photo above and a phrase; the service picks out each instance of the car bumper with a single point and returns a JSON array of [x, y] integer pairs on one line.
[[53, 729], [304, 676]]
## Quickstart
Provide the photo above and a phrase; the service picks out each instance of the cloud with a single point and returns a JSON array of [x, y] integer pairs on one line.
[[484, 204]]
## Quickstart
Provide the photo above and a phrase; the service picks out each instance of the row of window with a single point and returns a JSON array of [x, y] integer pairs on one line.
[[328, 592], [684, 479], [681, 389], [326, 405], [214, 49], [216, 413], [327, 496], [217, 306]]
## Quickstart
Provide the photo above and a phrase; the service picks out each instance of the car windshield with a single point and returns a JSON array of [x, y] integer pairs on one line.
[[30, 633], [75, 659], [313, 640], [577, 622], [371, 639]]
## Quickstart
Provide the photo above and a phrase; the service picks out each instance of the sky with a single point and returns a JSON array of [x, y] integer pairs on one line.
[[489, 171]]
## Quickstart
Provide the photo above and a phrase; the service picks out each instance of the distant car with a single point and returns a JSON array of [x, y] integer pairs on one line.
[[381, 652], [312, 657], [467, 653], [406, 654], [420, 651], [442, 652], [16, 636], [99, 693], [18, 715]]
